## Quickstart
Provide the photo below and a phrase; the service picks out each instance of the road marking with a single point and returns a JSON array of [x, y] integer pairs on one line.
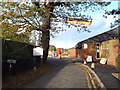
[[87, 77], [96, 77], [89, 72], [92, 81], [88, 80]]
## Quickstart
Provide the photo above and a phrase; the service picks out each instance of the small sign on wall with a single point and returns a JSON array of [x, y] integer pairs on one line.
[[11, 61], [85, 46], [37, 51]]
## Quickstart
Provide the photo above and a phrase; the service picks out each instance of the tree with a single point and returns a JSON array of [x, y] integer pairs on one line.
[[25, 16], [37, 16], [10, 33], [116, 22], [114, 13], [52, 48]]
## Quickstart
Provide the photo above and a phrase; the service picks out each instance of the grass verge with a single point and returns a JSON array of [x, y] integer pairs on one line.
[[20, 79]]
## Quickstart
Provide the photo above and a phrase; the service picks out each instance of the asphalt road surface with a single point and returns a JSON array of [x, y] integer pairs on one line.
[[64, 74]]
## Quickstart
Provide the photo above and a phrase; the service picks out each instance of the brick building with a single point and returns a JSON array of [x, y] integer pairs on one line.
[[63, 51], [73, 52], [104, 45]]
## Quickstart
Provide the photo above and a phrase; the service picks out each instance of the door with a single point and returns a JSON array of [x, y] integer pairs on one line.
[[97, 51]]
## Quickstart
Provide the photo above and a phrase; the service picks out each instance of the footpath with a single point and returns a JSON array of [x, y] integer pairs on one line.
[[104, 72]]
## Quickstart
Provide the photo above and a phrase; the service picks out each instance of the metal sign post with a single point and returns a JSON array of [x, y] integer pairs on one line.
[[10, 61], [41, 57], [37, 52], [34, 65]]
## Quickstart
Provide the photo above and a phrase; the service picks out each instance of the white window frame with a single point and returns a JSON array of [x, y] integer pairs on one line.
[[107, 46], [103, 46], [85, 46]]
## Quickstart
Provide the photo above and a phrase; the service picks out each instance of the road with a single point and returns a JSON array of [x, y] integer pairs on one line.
[[64, 74]]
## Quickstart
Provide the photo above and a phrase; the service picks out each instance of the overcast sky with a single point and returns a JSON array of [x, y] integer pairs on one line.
[[71, 37]]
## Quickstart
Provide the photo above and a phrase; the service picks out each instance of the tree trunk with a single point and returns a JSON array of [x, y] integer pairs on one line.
[[45, 44], [46, 39]]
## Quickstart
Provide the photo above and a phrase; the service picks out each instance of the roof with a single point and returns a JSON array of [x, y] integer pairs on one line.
[[108, 35]]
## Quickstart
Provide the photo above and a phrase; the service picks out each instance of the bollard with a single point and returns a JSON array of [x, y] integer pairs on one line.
[[10, 67], [85, 62], [35, 69], [93, 65]]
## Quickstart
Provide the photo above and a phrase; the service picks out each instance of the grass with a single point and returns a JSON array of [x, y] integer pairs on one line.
[[20, 79]]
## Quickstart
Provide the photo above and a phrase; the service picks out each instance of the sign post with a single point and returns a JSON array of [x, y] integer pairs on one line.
[[37, 52], [10, 61]]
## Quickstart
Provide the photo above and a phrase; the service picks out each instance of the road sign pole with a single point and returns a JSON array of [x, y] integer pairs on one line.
[[34, 64], [10, 67], [41, 59]]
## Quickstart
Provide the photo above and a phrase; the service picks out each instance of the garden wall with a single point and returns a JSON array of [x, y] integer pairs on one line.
[[21, 52]]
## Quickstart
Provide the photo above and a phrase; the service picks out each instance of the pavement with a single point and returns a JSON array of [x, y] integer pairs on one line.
[[64, 74], [104, 72]]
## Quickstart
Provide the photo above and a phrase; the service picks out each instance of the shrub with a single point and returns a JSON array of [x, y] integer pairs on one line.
[[118, 62]]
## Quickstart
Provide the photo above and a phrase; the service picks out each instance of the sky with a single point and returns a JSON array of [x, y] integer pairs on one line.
[[69, 38]]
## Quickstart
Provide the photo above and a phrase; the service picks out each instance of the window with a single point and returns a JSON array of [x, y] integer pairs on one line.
[[101, 47], [104, 46], [97, 51], [107, 46], [98, 55], [97, 46], [85, 46]]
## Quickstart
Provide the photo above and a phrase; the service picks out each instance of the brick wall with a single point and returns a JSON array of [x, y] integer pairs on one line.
[[110, 52], [9, 47], [72, 52], [23, 56], [80, 54], [89, 50]]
